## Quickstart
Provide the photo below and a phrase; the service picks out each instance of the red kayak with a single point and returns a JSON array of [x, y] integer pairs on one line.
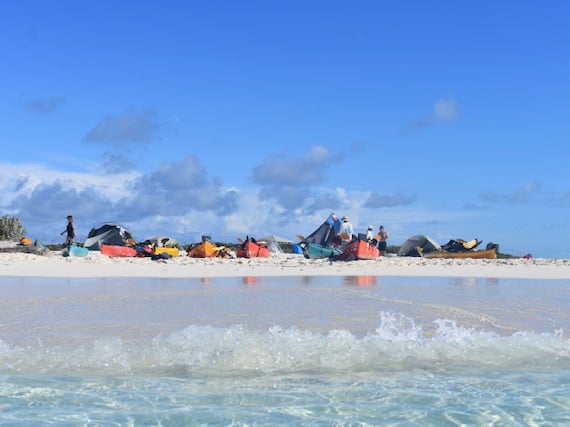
[[252, 249], [118, 251], [358, 249]]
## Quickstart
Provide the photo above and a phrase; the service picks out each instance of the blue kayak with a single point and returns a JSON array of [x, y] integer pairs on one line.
[[73, 250], [315, 251]]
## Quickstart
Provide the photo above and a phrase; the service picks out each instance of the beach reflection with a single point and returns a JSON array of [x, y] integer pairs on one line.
[[464, 281], [473, 281], [249, 280], [361, 280]]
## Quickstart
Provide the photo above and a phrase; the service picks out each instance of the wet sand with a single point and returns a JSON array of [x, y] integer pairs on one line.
[[56, 311]]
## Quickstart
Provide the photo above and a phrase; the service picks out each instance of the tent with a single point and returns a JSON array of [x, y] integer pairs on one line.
[[323, 235], [108, 234], [272, 242], [427, 244]]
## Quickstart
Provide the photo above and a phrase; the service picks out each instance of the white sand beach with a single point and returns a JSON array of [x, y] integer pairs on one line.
[[96, 265]]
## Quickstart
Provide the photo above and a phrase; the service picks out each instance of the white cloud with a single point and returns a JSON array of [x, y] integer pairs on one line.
[[444, 111]]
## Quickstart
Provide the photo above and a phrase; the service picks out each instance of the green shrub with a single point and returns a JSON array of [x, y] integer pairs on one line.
[[11, 228]]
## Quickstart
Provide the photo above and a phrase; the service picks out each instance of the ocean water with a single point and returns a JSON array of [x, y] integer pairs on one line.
[[330, 351]]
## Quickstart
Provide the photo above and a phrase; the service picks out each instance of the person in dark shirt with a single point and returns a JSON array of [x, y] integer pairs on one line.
[[70, 230]]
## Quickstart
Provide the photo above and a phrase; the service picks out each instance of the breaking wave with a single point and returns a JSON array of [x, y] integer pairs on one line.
[[398, 343]]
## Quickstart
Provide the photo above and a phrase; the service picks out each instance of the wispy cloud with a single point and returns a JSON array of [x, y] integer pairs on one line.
[[45, 105], [130, 127], [288, 179], [564, 199], [520, 195], [444, 111], [377, 200], [283, 169]]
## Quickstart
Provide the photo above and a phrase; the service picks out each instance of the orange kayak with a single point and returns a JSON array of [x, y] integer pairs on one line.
[[250, 249], [358, 249], [205, 250], [118, 251]]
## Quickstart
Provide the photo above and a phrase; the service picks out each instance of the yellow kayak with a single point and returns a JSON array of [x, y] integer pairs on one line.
[[174, 252], [483, 254]]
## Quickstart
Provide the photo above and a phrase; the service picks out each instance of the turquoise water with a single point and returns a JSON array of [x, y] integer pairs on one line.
[[284, 351]]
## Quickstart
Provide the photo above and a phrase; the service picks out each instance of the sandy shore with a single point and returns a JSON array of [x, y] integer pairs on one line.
[[96, 265]]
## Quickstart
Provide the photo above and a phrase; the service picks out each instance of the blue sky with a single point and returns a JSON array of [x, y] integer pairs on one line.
[[230, 118]]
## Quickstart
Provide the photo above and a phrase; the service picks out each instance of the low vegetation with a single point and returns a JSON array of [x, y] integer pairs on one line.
[[11, 228]]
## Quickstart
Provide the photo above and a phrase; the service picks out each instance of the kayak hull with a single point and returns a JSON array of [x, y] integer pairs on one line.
[[118, 251], [250, 249], [173, 252], [483, 254], [73, 250], [205, 250], [358, 250], [316, 251]]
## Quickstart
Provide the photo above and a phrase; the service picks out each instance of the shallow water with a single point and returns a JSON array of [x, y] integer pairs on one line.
[[284, 351]]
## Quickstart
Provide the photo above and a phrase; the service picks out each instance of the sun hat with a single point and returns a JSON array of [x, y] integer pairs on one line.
[[370, 227], [345, 218]]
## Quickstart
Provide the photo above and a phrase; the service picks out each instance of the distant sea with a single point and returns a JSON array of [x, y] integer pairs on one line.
[[284, 351]]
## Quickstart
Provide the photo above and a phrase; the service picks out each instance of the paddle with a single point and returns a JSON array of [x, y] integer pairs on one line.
[[300, 237], [240, 239]]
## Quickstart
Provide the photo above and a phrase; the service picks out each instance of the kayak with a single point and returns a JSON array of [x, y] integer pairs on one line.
[[174, 252], [205, 250], [73, 250], [252, 249], [316, 251], [358, 249], [118, 251], [482, 254]]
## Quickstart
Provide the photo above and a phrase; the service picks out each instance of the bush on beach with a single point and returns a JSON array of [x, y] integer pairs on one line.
[[11, 228]]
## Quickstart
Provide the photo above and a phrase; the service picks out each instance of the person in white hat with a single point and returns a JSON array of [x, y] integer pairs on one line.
[[369, 234], [346, 230]]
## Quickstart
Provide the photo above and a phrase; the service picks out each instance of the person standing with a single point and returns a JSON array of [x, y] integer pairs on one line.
[[382, 239], [369, 235], [70, 230], [346, 230]]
